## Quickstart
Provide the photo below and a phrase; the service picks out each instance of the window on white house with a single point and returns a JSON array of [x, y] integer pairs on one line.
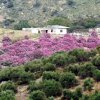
[[61, 30], [46, 31], [52, 30]]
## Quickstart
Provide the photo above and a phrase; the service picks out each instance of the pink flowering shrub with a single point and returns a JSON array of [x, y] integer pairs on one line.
[[25, 50]]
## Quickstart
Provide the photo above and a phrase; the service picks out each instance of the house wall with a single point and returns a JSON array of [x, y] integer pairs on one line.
[[57, 31], [35, 30]]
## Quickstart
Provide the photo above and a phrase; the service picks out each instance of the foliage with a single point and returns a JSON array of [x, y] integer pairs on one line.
[[71, 3], [96, 61], [49, 67], [77, 94], [23, 51], [59, 21], [68, 80], [37, 95], [96, 75], [86, 70], [16, 74], [32, 67], [74, 68], [22, 24], [51, 76], [33, 86], [8, 86], [88, 84], [52, 88], [7, 95], [80, 55], [59, 59], [67, 95], [51, 98]]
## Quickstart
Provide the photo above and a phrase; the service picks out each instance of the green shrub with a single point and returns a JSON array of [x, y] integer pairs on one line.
[[77, 94], [45, 60], [96, 75], [51, 75], [72, 68], [85, 97], [58, 59], [19, 75], [95, 96], [51, 98], [96, 61], [33, 86], [4, 74], [7, 95], [68, 80], [22, 24], [88, 84], [59, 21], [70, 59], [86, 70], [67, 95], [52, 88], [62, 58], [8, 86], [25, 78], [33, 67], [80, 55], [49, 67], [37, 95]]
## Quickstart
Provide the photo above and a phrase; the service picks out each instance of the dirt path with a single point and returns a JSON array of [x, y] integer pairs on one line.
[[22, 93]]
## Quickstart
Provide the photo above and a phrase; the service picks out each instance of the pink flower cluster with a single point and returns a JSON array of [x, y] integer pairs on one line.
[[26, 50]]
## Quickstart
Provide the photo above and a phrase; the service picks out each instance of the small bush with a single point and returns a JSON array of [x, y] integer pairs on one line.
[[32, 67], [77, 94], [22, 24], [51, 75], [96, 61], [51, 98], [37, 95], [96, 75], [72, 68], [86, 70], [4, 74], [59, 59], [52, 88], [68, 80], [19, 75], [33, 86], [49, 67], [67, 95], [88, 84], [80, 55], [8, 86], [7, 95]]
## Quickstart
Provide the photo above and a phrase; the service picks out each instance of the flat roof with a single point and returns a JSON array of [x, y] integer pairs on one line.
[[55, 27]]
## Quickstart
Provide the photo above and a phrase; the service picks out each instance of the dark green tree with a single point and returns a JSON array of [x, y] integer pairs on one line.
[[22, 24], [52, 88]]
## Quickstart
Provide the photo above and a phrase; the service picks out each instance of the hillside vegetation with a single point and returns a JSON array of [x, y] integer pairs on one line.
[[66, 75], [38, 12], [64, 68]]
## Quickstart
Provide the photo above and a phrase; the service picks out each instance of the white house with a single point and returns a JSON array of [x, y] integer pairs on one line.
[[54, 29], [32, 30]]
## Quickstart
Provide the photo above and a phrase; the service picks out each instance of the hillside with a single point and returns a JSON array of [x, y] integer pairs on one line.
[[39, 12]]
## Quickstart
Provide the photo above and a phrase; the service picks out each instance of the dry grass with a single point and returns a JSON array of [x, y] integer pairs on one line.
[[16, 34]]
